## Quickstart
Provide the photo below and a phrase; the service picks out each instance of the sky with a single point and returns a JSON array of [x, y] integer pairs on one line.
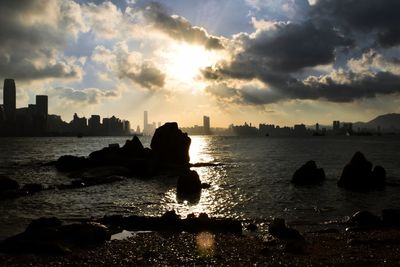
[[280, 61]]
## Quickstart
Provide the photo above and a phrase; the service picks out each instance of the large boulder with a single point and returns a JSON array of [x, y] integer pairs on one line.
[[48, 235], [84, 234], [188, 186], [308, 174], [170, 145], [70, 163], [357, 175], [133, 148], [7, 184], [365, 219]]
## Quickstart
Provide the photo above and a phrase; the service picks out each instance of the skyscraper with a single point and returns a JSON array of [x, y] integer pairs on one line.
[[145, 121], [9, 100], [206, 124], [42, 105]]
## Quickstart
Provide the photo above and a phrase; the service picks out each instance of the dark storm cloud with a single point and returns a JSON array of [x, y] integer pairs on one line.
[[179, 28], [30, 40], [291, 47], [278, 54], [380, 17], [341, 87]]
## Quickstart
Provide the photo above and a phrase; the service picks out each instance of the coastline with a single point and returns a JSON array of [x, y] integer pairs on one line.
[[362, 247]]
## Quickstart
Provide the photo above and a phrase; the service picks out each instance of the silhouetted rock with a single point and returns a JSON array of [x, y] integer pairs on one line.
[[171, 222], [188, 186], [308, 174], [391, 217], [7, 184], [85, 234], [48, 235], [365, 219], [279, 229], [32, 188], [170, 145], [205, 185], [133, 148], [357, 175], [70, 163], [43, 223], [110, 155]]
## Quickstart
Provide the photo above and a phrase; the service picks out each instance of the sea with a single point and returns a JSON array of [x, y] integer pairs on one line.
[[251, 181]]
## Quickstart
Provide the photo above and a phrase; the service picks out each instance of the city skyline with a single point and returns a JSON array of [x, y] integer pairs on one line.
[[179, 60]]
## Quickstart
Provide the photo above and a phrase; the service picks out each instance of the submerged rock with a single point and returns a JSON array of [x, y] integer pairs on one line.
[[170, 145], [308, 174], [357, 175]]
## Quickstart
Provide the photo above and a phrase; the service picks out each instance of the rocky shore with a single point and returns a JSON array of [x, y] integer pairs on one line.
[[372, 247]]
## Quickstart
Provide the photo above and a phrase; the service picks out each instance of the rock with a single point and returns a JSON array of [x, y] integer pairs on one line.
[[391, 217], [252, 227], [32, 188], [188, 186], [85, 234], [308, 174], [205, 185], [48, 235], [278, 229], [357, 175], [365, 219], [106, 156], [43, 223], [70, 163], [170, 145], [133, 148], [7, 184]]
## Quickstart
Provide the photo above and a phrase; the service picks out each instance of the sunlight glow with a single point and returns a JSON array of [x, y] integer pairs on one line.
[[183, 62]]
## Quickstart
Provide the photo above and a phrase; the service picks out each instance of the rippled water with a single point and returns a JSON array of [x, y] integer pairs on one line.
[[253, 182]]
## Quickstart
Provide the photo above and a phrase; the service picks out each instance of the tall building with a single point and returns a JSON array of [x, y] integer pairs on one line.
[[94, 124], [336, 126], [145, 120], [9, 99], [42, 108], [206, 124]]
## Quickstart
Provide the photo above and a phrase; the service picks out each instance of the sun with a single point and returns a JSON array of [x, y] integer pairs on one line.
[[183, 62]]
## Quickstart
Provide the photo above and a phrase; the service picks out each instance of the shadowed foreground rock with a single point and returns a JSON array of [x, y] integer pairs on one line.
[[358, 175], [49, 236], [171, 222], [308, 174], [7, 184]]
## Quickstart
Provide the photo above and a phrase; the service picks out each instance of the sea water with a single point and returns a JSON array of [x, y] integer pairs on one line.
[[252, 180]]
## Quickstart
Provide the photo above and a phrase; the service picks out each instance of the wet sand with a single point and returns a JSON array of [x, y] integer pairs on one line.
[[379, 247]]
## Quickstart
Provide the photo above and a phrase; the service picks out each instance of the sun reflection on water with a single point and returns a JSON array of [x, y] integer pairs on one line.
[[210, 200]]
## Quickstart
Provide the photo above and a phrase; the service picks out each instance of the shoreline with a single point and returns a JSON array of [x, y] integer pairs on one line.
[[364, 247]]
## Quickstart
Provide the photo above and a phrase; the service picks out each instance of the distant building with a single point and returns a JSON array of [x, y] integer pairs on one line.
[[9, 98], [206, 124], [94, 124], [336, 126], [145, 121]]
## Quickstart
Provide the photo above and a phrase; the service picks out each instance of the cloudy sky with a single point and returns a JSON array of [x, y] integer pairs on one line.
[[277, 61]]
